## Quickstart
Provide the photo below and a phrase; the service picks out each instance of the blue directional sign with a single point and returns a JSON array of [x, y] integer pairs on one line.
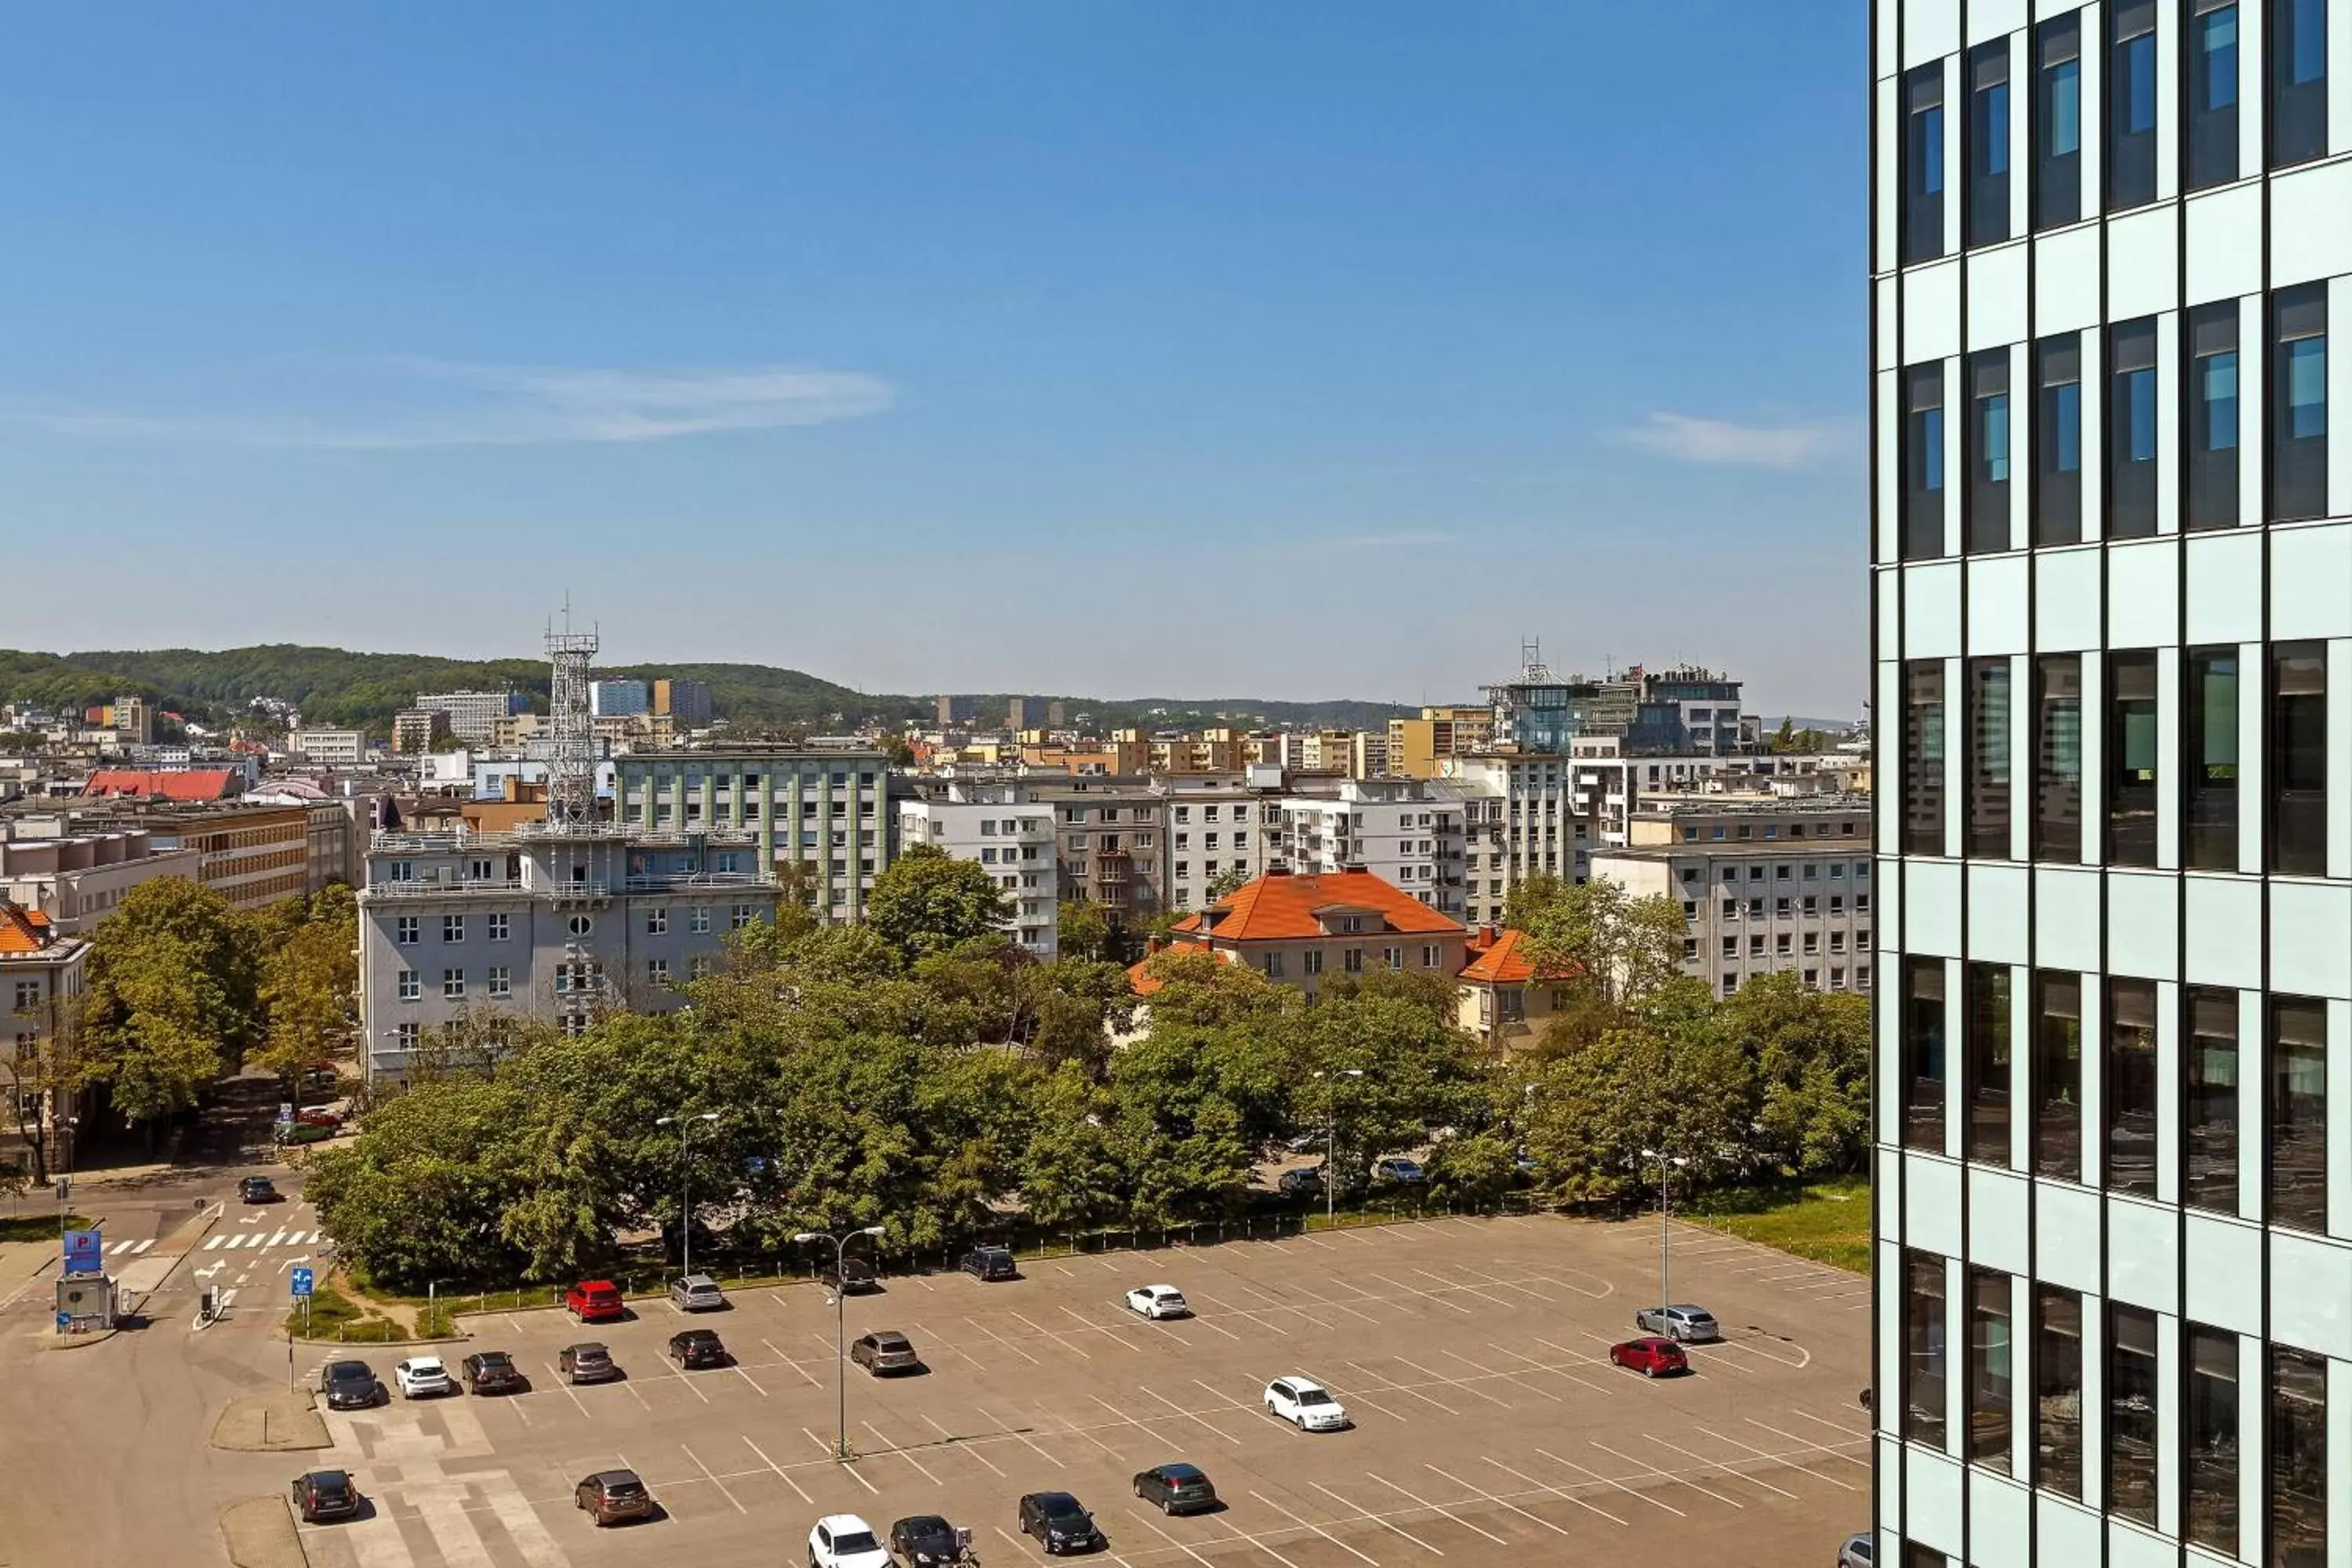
[[85, 1252], [301, 1281]]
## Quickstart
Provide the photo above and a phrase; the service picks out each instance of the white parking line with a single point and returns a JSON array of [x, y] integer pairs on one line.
[[1437, 1509], [715, 1481], [1596, 1475], [1390, 1385], [1424, 1295], [1534, 1366], [1188, 1416], [1445, 1284], [1806, 1443], [1562, 1493], [1310, 1524], [1008, 1429], [781, 1474], [1186, 1549], [961, 1446], [897, 1451], [1060, 1339], [1461, 1382], [564, 1383], [1726, 1471], [1506, 1502], [1001, 1340], [1365, 1514], [848, 1466], [1679, 1480], [786, 1361], [1260, 1319], [748, 1378]]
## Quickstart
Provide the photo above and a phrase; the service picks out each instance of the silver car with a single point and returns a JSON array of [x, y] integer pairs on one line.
[[1856, 1552], [696, 1293], [1684, 1322]]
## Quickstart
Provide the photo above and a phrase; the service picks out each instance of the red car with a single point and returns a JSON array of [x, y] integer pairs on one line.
[[595, 1302], [1650, 1357]]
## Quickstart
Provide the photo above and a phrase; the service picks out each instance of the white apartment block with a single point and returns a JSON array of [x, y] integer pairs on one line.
[[1008, 833], [1405, 831], [829, 811], [1523, 817], [330, 748], [76, 878], [471, 714], [2112, 636], [1222, 830]]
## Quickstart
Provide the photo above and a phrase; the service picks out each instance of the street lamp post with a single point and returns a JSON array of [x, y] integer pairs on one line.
[[840, 1358], [1666, 1294], [685, 1187], [1331, 1165]]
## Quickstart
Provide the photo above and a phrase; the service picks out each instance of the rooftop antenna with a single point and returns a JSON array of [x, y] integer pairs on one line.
[[572, 751]]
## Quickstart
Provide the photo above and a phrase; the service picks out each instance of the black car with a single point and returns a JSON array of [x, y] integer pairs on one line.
[[926, 1541], [1306, 1181], [697, 1347], [258, 1190], [350, 1385], [324, 1495], [1177, 1488], [1059, 1521], [854, 1277], [991, 1263], [491, 1371]]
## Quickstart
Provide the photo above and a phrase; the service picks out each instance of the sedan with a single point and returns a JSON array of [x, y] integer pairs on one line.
[[350, 1385], [491, 1371], [258, 1190], [1856, 1552], [1650, 1357], [696, 1348], [1059, 1521], [324, 1495], [884, 1350], [1177, 1488], [927, 1541], [1682, 1322], [1397, 1168], [1156, 1301], [1305, 1404], [845, 1540], [421, 1376], [610, 1495], [587, 1362]]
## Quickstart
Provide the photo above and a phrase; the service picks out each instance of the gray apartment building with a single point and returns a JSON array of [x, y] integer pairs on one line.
[[2112, 639], [827, 810]]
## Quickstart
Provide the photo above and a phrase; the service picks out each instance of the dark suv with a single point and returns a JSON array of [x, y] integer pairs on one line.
[[854, 1277], [323, 1495], [609, 1495], [991, 1263], [697, 1347]]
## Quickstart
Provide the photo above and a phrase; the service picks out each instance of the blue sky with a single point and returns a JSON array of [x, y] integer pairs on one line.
[[1193, 349]]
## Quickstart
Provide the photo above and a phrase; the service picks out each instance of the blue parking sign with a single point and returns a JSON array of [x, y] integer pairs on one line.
[[301, 1279], [85, 1252]]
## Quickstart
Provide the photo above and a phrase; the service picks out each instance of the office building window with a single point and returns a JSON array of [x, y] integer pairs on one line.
[[2058, 440], [1988, 133], [2058, 1390], [2213, 93], [2211, 740], [2297, 1192], [1923, 164], [2131, 758], [1988, 454], [2298, 758], [2058, 121], [1923, 462], [2298, 116], [2127, 1091], [1988, 1020], [2210, 1096], [2213, 415], [1923, 1053], [2131, 104], [2210, 1363], [1988, 1363], [698, 917], [1923, 1348], [2134, 1409], [2057, 1077], [2058, 757], [2298, 429], [2131, 429], [1923, 756], [2298, 1459], [1989, 763]]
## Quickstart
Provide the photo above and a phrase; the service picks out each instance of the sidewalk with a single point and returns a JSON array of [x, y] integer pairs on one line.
[[21, 1264]]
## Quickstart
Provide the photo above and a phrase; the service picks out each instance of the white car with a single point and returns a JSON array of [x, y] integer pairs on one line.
[[420, 1375], [1158, 1302], [846, 1540], [1305, 1404]]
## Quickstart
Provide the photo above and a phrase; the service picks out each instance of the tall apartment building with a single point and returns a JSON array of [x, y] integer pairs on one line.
[[416, 731], [1005, 830], [1416, 745], [1225, 828], [1110, 843], [619, 697], [826, 810], [471, 714], [688, 702], [1406, 832], [330, 748], [2112, 634]]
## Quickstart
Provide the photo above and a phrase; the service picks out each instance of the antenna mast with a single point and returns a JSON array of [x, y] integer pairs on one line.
[[571, 753]]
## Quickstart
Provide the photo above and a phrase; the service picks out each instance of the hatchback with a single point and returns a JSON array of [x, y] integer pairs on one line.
[[928, 1540], [885, 1350], [422, 1376], [696, 1348], [1156, 1301], [610, 1495], [1683, 1323], [845, 1540], [991, 1263], [324, 1495], [1059, 1521], [1650, 1357], [1305, 1404], [1177, 1488], [697, 1293], [491, 1371], [1856, 1552], [258, 1190], [595, 1302], [587, 1362]]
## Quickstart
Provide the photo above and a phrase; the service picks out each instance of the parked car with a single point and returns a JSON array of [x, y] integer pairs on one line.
[[1397, 1168], [1306, 1142], [884, 1350], [1305, 1404], [1176, 1488], [350, 1385], [1306, 1182], [318, 1117], [927, 1541], [611, 1495], [696, 1348], [258, 1190], [587, 1362], [1156, 1301], [1684, 1322], [595, 1302], [1059, 1521], [422, 1376], [992, 1263], [325, 1495], [845, 1540], [1650, 1357], [491, 1371], [851, 1276], [697, 1293], [1856, 1552]]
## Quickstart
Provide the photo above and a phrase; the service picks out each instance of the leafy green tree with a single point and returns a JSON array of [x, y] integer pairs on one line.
[[1082, 930], [1811, 1051], [172, 999], [1474, 1169], [927, 903], [425, 1191], [1614, 948], [1071, 1173], [309, 983]]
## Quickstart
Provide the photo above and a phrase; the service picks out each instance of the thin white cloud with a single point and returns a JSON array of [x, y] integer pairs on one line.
[[410, 402], [1687, 438]]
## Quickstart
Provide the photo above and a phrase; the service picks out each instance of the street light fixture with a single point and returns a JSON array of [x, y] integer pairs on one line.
[[1665, 1295], [1331, 1165], [685, 1187], [840, 1357]]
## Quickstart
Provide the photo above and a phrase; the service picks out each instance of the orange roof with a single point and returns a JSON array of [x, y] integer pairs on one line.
[[1507, 959], [1289, 908], [196, 783], [22, 930], [1141, 982]]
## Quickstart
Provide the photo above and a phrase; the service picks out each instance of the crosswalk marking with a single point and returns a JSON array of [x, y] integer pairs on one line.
[[252, 1241], [132, 1249], [213, 1241]]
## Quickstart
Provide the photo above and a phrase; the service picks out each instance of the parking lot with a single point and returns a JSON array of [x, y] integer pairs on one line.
[[1471, 1355]]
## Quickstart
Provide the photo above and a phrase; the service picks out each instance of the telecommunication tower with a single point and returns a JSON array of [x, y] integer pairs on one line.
[[571, 751]]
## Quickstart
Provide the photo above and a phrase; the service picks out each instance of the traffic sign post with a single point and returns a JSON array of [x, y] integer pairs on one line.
[[85, 1252], [300, 1282]]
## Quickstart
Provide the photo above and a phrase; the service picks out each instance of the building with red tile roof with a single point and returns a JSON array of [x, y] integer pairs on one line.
[[41, 979], [185, 784], [1296, 930], [1506, 994]]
